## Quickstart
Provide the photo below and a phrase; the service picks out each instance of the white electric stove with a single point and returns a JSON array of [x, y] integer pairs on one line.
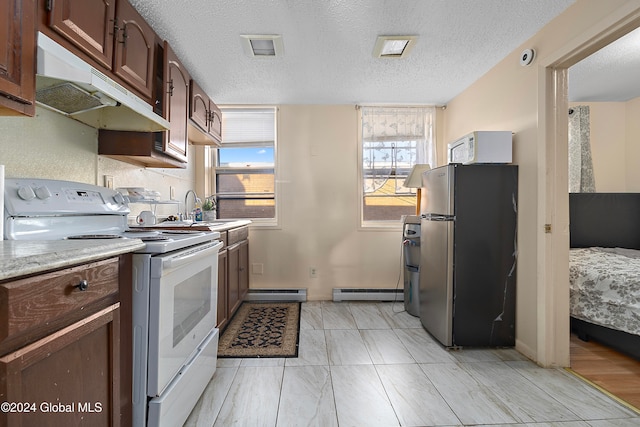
[[174, 292], [41, 209]]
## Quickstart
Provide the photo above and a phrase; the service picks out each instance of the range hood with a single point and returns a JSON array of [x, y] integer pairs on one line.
[[68, 85]]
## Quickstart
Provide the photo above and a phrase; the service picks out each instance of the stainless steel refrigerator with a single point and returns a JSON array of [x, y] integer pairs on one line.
[[468, 254]]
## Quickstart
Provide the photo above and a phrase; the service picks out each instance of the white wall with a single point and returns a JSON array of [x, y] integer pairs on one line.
[[633, 145], [319, 217], [609, 140]]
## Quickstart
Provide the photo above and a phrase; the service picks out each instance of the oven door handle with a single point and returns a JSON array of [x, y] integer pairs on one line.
[[191, 255]]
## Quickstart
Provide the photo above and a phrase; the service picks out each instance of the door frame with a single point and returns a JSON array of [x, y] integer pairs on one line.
[[553, 200]]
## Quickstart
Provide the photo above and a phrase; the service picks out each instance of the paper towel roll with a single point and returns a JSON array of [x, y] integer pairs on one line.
[[2, 202]]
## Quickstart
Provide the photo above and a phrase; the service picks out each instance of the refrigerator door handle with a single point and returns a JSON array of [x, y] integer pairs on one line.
[[436, 217]]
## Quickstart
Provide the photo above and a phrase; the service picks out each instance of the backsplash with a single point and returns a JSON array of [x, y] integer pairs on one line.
[[55, 147]]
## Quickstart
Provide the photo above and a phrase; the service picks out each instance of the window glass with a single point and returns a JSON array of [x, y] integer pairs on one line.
[[246, 157], [385, 167], [246, 164], [393, 141]]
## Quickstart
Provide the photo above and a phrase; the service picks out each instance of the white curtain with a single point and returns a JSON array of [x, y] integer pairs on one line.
[[388, 124], [581, 178]]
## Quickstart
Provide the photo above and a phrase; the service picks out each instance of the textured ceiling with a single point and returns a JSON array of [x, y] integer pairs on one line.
[[611, 74], [328, 46]]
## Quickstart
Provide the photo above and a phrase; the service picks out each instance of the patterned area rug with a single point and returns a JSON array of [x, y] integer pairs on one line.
[[262, 330]]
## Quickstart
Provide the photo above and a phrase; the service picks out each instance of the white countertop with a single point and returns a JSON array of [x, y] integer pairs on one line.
[[25, 257]]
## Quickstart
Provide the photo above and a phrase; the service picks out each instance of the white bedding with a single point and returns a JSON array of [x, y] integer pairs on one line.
[[605, 287]]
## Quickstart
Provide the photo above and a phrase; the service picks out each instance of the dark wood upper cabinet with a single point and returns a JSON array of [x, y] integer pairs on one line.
[[199, 106], [205, 120], [177, 105], [215, 122], [112, 33], [167, 149], [89, 24], [134, 48], [17, 57]]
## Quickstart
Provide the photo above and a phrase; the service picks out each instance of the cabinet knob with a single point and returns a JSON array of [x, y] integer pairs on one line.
[[83, 285]]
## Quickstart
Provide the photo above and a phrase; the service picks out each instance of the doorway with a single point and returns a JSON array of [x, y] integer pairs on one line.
[[553, 179]]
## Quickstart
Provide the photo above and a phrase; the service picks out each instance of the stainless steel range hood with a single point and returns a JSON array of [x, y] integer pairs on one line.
[[68, 85]]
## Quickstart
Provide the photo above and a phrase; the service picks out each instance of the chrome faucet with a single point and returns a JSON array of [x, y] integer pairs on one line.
[[196, 200]]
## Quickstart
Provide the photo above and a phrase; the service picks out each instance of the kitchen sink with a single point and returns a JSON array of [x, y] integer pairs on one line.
[[215, 223]]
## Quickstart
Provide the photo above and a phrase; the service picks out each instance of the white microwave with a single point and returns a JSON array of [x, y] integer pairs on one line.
[[481, 147]]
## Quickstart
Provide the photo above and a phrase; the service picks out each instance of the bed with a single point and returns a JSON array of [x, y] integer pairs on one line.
[[604, 269]]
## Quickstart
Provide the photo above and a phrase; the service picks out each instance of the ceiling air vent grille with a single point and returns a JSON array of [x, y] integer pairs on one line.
[[264, 46]]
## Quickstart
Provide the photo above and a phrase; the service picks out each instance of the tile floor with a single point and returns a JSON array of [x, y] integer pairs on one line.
[[372, 364]]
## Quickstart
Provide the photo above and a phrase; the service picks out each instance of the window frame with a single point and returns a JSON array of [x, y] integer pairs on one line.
[[390, 224], [221, 170]]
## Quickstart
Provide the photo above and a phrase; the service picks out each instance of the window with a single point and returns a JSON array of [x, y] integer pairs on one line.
[[393, 140], [246, 164]]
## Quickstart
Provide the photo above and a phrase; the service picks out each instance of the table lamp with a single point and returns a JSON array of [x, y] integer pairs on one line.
[[414, 180]]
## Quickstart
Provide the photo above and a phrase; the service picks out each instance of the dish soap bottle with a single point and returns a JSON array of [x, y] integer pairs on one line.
[[197, 212]]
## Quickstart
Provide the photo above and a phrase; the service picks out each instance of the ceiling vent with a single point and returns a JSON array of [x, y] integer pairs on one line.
[[394, 46], [262, 45]]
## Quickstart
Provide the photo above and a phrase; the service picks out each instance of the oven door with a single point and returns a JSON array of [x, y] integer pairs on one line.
[[182, 309]]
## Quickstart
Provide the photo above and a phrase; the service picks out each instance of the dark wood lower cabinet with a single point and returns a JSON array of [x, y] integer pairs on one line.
[[233, 278], [69, 378], [233, 274], [65, 346], [243, 269], [238, 275], [223, 314]]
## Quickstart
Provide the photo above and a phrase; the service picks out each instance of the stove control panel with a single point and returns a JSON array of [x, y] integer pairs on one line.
[[45, 197]]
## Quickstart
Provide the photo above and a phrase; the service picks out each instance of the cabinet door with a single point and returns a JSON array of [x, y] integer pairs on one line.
[[199, 106], [177, 86], [243, 269], [215, 122], [233, 263], [134, 49], [17, 47], [222, 290], [89, 24], [74, 372]]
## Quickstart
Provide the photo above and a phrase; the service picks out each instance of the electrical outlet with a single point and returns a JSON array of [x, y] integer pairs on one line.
[[108, 181], [172, 193], [313, 272], [257, 268]]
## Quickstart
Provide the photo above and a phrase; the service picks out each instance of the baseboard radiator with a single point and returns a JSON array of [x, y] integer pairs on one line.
[[276, 295], [357, 294]]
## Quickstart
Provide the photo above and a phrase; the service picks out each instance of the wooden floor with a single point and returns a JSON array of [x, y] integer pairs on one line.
[[614, 372]]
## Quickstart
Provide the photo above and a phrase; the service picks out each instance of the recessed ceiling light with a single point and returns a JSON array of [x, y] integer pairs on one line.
[[262, 45], [393, 46]]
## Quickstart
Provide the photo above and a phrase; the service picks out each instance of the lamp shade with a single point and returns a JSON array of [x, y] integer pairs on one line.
[[414, 180]]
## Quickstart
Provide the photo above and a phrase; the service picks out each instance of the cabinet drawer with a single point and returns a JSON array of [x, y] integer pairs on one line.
[[237, 235], [36, 302]]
